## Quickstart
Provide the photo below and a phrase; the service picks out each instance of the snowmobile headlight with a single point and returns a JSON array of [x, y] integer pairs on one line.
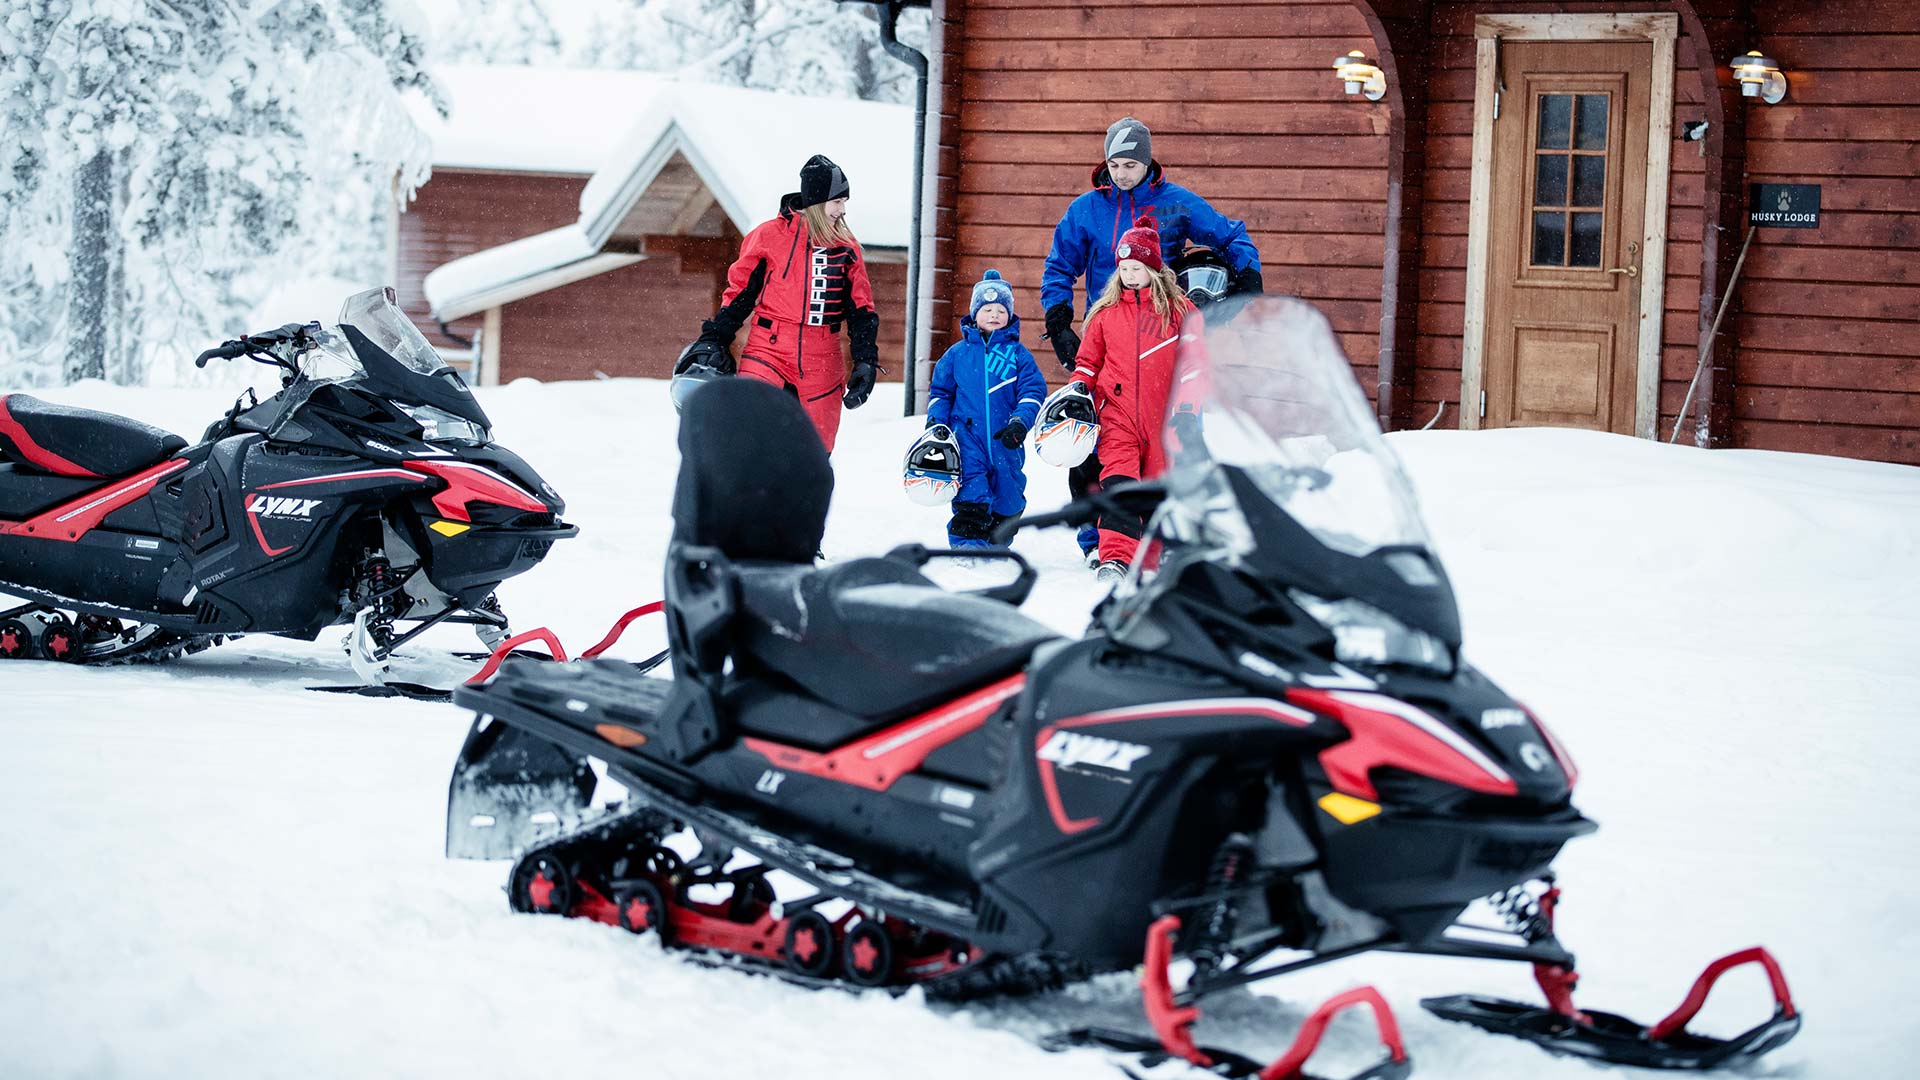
[[1363, 634], [438, 425]]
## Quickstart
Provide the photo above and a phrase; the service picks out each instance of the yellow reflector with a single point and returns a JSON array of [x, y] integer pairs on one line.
[[449, 528], [1346, 809]]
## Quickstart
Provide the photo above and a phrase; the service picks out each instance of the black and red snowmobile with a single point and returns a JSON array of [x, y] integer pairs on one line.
[[1265, 754], [367, 491]]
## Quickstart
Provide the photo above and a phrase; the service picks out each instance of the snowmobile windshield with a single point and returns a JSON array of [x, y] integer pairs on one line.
[[1270, 393], [1275, 461], [397, 363]]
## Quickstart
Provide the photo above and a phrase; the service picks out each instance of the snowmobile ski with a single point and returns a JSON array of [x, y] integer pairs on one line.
[[1561, 1029]]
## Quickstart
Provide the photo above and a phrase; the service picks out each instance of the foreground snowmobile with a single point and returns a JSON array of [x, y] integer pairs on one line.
[[366, 491], [1268, 745]]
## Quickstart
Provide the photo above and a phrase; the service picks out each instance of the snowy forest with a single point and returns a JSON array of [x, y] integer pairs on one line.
[[166, 161]]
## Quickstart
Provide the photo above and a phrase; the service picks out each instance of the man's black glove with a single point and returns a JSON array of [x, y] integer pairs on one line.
[[1066, 343], [1246, 282], [1013, 434], [859, 384]]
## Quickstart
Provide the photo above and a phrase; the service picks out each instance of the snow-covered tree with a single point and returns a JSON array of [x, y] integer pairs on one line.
[[173, 156], [800, 46]]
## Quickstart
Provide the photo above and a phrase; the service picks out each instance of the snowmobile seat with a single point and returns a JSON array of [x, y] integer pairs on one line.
[[68, 441], [872, 637]]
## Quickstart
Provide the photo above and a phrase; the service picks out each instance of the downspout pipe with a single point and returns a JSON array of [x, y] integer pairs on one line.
[[913, 58]]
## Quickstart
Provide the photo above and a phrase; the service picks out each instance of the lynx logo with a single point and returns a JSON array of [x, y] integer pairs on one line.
[[769, 782], [1067, 749], [1499, 718], [275, 507]]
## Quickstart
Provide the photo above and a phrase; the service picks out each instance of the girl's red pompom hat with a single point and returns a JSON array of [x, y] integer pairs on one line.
[[1141, 244]]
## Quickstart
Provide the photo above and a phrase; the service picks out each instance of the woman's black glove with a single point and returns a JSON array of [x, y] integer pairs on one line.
[[1066, 343], [1013, 434], [706, 352], [859, 384], [1246, 282]]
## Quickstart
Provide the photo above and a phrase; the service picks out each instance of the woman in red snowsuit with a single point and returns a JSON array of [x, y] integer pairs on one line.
[[1132, 337], [801, 277]]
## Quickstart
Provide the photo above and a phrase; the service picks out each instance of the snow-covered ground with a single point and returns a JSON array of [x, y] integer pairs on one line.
[[207, 871]]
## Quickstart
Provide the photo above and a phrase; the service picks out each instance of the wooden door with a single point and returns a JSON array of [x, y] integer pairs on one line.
[[1566, 239]]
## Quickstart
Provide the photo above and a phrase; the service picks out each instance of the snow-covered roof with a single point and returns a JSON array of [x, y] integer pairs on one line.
[[746, 146]]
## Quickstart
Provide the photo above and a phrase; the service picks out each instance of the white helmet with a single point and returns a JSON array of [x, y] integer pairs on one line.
[[1067, 430], [931, 472]]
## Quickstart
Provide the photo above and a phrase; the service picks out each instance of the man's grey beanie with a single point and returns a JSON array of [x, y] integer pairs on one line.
[[1129, 138]]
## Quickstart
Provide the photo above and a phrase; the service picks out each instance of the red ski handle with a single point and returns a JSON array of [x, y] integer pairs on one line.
[[620, 628], [1696, 997], [552, 642], [1292, 1064], [540, 634], [1173, 1024]]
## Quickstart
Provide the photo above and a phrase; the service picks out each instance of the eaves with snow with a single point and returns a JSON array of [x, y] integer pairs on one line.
[[694, 154]]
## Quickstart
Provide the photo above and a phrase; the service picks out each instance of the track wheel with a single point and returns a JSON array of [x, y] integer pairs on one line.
[[664, 862], [809, 945], [59, 640], [16, 640], [541, 885], [868, 956], [642, 908]]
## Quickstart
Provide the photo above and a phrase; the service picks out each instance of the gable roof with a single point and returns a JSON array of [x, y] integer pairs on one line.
[[744, 146]]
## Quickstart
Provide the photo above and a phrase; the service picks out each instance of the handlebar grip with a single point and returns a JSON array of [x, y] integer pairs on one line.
[[226, 351]]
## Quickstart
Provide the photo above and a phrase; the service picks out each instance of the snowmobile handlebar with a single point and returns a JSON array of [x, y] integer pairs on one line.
[[1139, 498], [225, 351], [301, 334]]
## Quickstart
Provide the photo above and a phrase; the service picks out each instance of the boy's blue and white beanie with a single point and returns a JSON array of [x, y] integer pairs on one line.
[[991, 290]]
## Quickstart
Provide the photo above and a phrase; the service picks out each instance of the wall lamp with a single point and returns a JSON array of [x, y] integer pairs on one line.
[[1760, 77], [1361, 75]]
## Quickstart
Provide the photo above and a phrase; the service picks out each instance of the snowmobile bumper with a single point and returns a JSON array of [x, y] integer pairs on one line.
[[1561, 1029]]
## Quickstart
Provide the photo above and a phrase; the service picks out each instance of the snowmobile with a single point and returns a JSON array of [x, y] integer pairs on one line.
[[367, 491], [1267, 752]]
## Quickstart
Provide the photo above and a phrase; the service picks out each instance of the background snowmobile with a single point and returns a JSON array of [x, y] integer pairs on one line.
[[367, 490], [1270, 745]]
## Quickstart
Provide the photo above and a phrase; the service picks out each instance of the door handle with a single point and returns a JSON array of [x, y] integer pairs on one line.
[[1632, 269]]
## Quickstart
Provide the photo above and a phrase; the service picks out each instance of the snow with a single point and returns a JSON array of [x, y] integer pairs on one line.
[[212, 872], [748, 145], [535, 119]]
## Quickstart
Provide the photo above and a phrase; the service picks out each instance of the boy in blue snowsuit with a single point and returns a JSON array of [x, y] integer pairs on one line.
[[988, 390]]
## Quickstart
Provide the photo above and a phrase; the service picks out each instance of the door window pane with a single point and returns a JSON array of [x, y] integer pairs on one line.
[[1590, 125], [1589, 180], [1556, 120], [1550, 238], [1586, 240], [1550, 179]]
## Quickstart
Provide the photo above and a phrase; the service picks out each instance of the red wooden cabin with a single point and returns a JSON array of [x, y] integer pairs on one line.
[[1567, 267]]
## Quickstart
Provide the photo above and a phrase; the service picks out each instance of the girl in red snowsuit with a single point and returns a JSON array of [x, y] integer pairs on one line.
[[801, 277], [1132, 337]]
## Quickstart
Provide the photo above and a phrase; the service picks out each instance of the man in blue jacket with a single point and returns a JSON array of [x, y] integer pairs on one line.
[[1127, 184]]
